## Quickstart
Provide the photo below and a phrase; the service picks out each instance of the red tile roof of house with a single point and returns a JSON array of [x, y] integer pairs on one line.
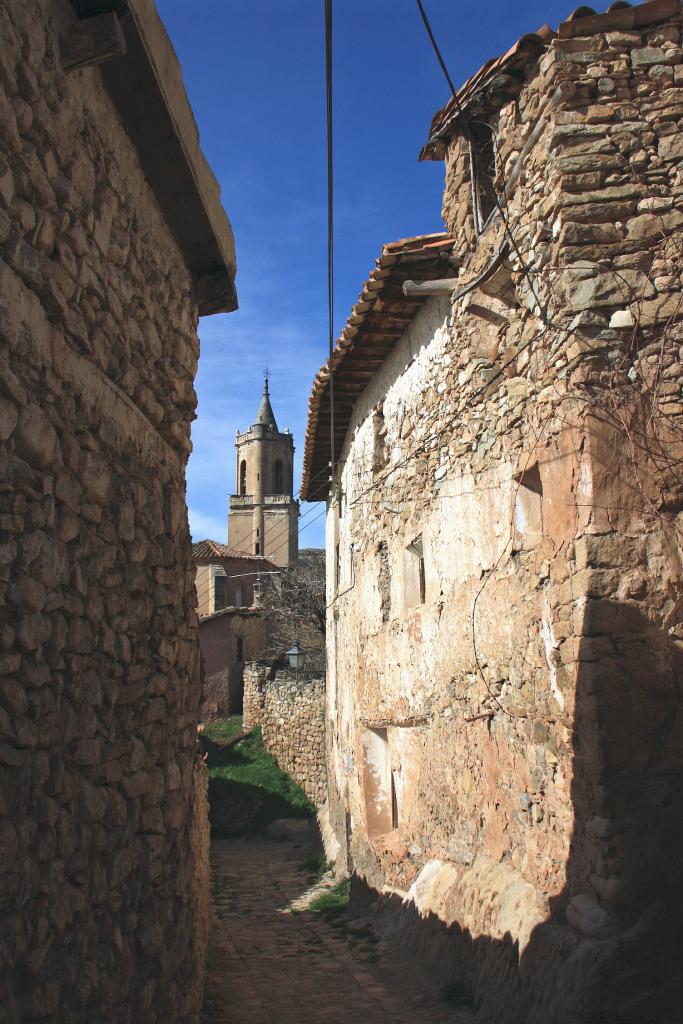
[[205, 550], [502, 76], [377, 321]]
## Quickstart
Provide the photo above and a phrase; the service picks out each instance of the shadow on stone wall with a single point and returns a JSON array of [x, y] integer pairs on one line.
[[618, 961]]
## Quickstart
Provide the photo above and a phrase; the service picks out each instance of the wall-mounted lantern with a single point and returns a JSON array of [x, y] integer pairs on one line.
[[296, 657]]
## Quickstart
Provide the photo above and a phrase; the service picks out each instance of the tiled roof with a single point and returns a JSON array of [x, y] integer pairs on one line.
[[377, 321], [503, 77], [207, 549], [230, 612]]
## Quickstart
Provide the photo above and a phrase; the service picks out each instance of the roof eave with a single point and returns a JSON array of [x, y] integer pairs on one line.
[[418, 258], [146, 87]]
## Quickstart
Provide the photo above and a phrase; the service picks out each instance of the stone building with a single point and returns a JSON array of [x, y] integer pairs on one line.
[[228, 639], [505, 580], [264, 515], [232, 625], [112, 243], [224, 577]]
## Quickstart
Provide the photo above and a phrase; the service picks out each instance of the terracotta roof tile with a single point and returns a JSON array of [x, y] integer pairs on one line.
[[377, 321], [505, 75], [208, 549]]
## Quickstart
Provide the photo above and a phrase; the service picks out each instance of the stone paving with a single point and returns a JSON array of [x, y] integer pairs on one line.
[[270, 965]]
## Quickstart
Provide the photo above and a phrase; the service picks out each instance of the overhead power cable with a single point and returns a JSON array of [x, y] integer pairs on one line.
[[330, 217], [467, 132]]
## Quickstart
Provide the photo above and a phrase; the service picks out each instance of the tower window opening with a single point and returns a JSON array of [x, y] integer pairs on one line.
[[257, 548], [243, 477]]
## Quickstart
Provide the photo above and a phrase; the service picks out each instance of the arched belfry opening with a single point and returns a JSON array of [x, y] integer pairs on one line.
[[265, 520]]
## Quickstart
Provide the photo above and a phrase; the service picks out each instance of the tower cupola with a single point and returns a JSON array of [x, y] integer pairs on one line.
[[265, 416]]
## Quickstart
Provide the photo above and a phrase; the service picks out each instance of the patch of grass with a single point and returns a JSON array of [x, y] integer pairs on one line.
[[315, 866], [247, 778], [224, 729], [333, 903]]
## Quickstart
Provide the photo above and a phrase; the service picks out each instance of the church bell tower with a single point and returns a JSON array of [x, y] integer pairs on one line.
[[264, 516]]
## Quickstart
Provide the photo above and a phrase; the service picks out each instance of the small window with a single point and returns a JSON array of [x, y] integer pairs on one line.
[[257, 548], [483, 166], [240, 649], [243, 477], [379, 436], [528, 518], [278, 477], [220, 591], [414, 574]]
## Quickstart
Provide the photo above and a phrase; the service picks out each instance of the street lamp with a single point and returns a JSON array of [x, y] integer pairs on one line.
[[296, 657]]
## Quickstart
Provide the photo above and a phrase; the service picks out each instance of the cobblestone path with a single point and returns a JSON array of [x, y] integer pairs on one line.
[[268, 965]]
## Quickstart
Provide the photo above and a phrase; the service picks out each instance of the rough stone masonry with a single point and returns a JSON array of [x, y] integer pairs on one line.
[[290, 709], [112, 242], [505, 580]]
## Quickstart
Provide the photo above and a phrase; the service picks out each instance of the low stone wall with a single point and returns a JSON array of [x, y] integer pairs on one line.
[[290, 713]]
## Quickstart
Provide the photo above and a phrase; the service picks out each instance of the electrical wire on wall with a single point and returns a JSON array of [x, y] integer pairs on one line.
[[468, 135]]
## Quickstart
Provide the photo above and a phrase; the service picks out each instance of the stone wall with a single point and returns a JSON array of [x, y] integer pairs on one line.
[[200, 884], [505, 749], [290, 711], [100, 820]]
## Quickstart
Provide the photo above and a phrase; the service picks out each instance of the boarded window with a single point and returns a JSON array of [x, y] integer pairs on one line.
[[414, 574], [528, 514], [220, 590]]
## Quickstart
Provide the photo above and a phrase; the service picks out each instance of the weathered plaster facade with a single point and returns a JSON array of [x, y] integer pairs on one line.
[[504, 543], [103, 836], [226, 578]]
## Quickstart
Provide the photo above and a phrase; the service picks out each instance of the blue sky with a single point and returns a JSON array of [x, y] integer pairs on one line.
[[254, 72]]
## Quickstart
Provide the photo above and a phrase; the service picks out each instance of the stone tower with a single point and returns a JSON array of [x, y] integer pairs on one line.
[[264, 516]]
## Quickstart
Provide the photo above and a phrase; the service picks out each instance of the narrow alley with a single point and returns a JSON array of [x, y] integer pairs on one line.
[[273, 962]]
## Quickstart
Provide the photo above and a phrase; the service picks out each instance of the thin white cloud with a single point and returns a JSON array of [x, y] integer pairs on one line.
[[206, 527]]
